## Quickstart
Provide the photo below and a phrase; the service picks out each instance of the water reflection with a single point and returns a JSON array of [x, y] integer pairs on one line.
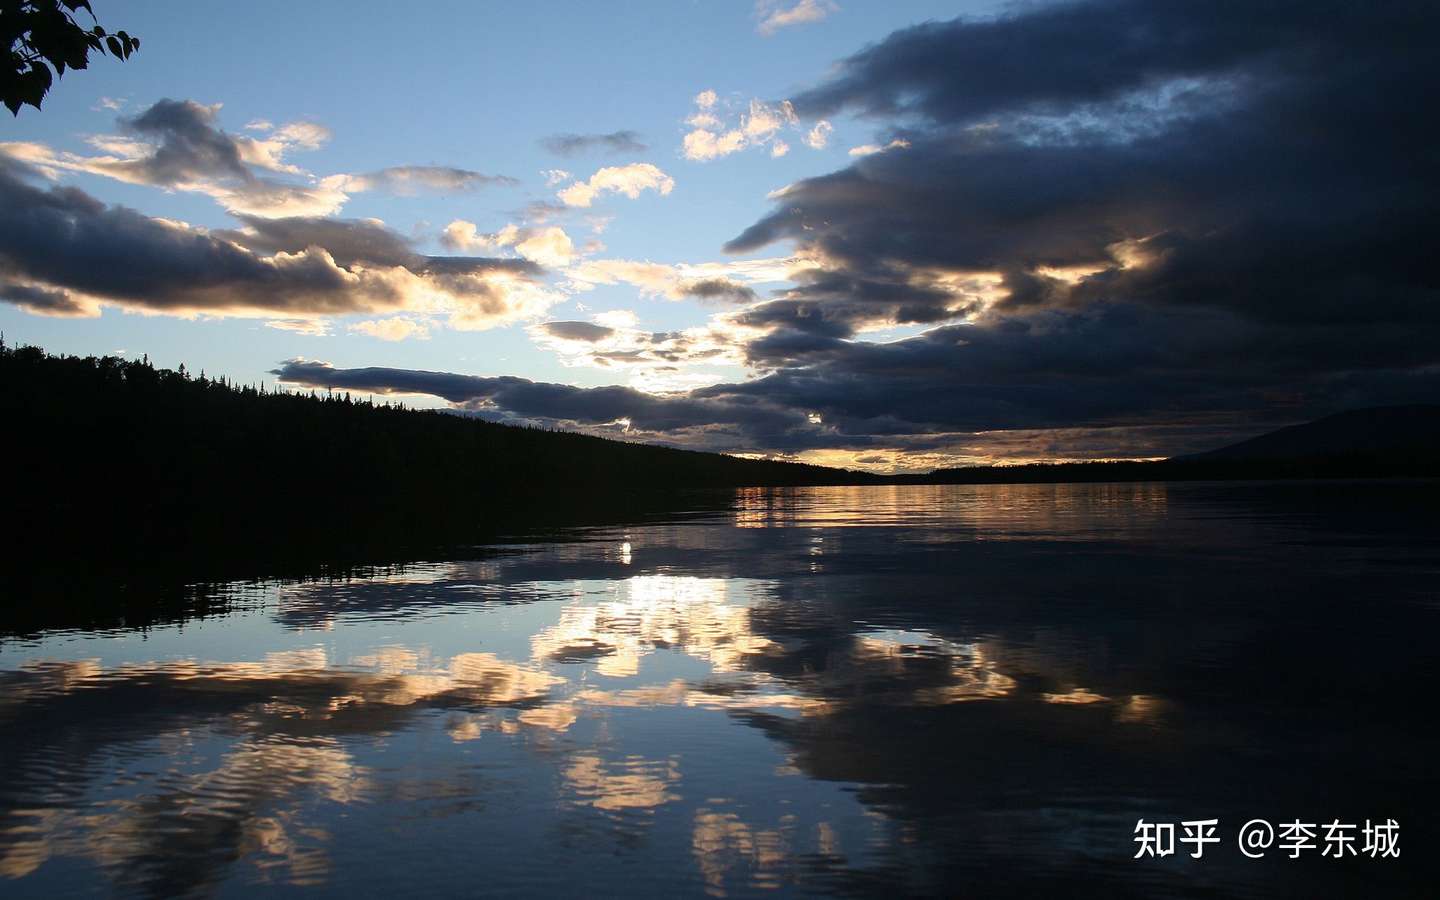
[[1008, 511], [836, 690], [650, 612], [634, 783]]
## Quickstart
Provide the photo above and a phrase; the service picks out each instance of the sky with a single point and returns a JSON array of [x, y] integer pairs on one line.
[[888, 236]]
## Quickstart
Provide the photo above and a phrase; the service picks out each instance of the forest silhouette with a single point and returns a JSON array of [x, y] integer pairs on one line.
[[121, 455], [119, 467]]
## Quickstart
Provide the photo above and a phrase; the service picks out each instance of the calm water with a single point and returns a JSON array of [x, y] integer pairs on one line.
[[970, 691]]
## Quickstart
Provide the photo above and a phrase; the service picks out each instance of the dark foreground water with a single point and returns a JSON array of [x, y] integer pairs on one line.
[[969, 691]]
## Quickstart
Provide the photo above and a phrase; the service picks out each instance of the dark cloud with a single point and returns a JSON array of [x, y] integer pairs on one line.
[[712, 421], [178, 144], [837, 303], [576, 331], [721, 289], [1114, 218], [476, 265], [364, 241], [1141, 213], [575, 144], [189, 146], [60, 242], [857, 396], [41, 300], [1165, 220], [68, 240], [1070, 54], [347, 240], [1109, 364]]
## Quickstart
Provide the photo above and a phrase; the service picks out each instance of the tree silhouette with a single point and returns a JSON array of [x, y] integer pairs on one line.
[[125, 460], [38, 32]]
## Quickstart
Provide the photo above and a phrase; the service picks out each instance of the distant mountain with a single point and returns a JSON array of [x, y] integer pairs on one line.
[[1379, 433], [1383, 442]]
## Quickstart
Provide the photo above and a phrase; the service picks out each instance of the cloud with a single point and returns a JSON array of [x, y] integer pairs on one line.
[[310, 135], [1223, 223], [575, 331], [775, 15], [817, 137], [466, 236], [409, 180], [575, 144], [716, 281], [508, 398], [549, 246], [178, 145], [701, 145], [188, 145], [777, 416], [41, 300], [718, 289], [652, 278], [62, 252], [653, 360], [759, 124], [1043, 57], [396, 328], [872, 149], [617, 319], [1217, 222], [307, 327], [763, 120], [629, 180], [347, 241]]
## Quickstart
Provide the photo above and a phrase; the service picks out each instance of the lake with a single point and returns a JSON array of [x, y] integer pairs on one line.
[[956, 690]]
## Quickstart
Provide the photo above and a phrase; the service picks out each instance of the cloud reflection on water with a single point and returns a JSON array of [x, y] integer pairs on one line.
[[289, 717], [841, 728]]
